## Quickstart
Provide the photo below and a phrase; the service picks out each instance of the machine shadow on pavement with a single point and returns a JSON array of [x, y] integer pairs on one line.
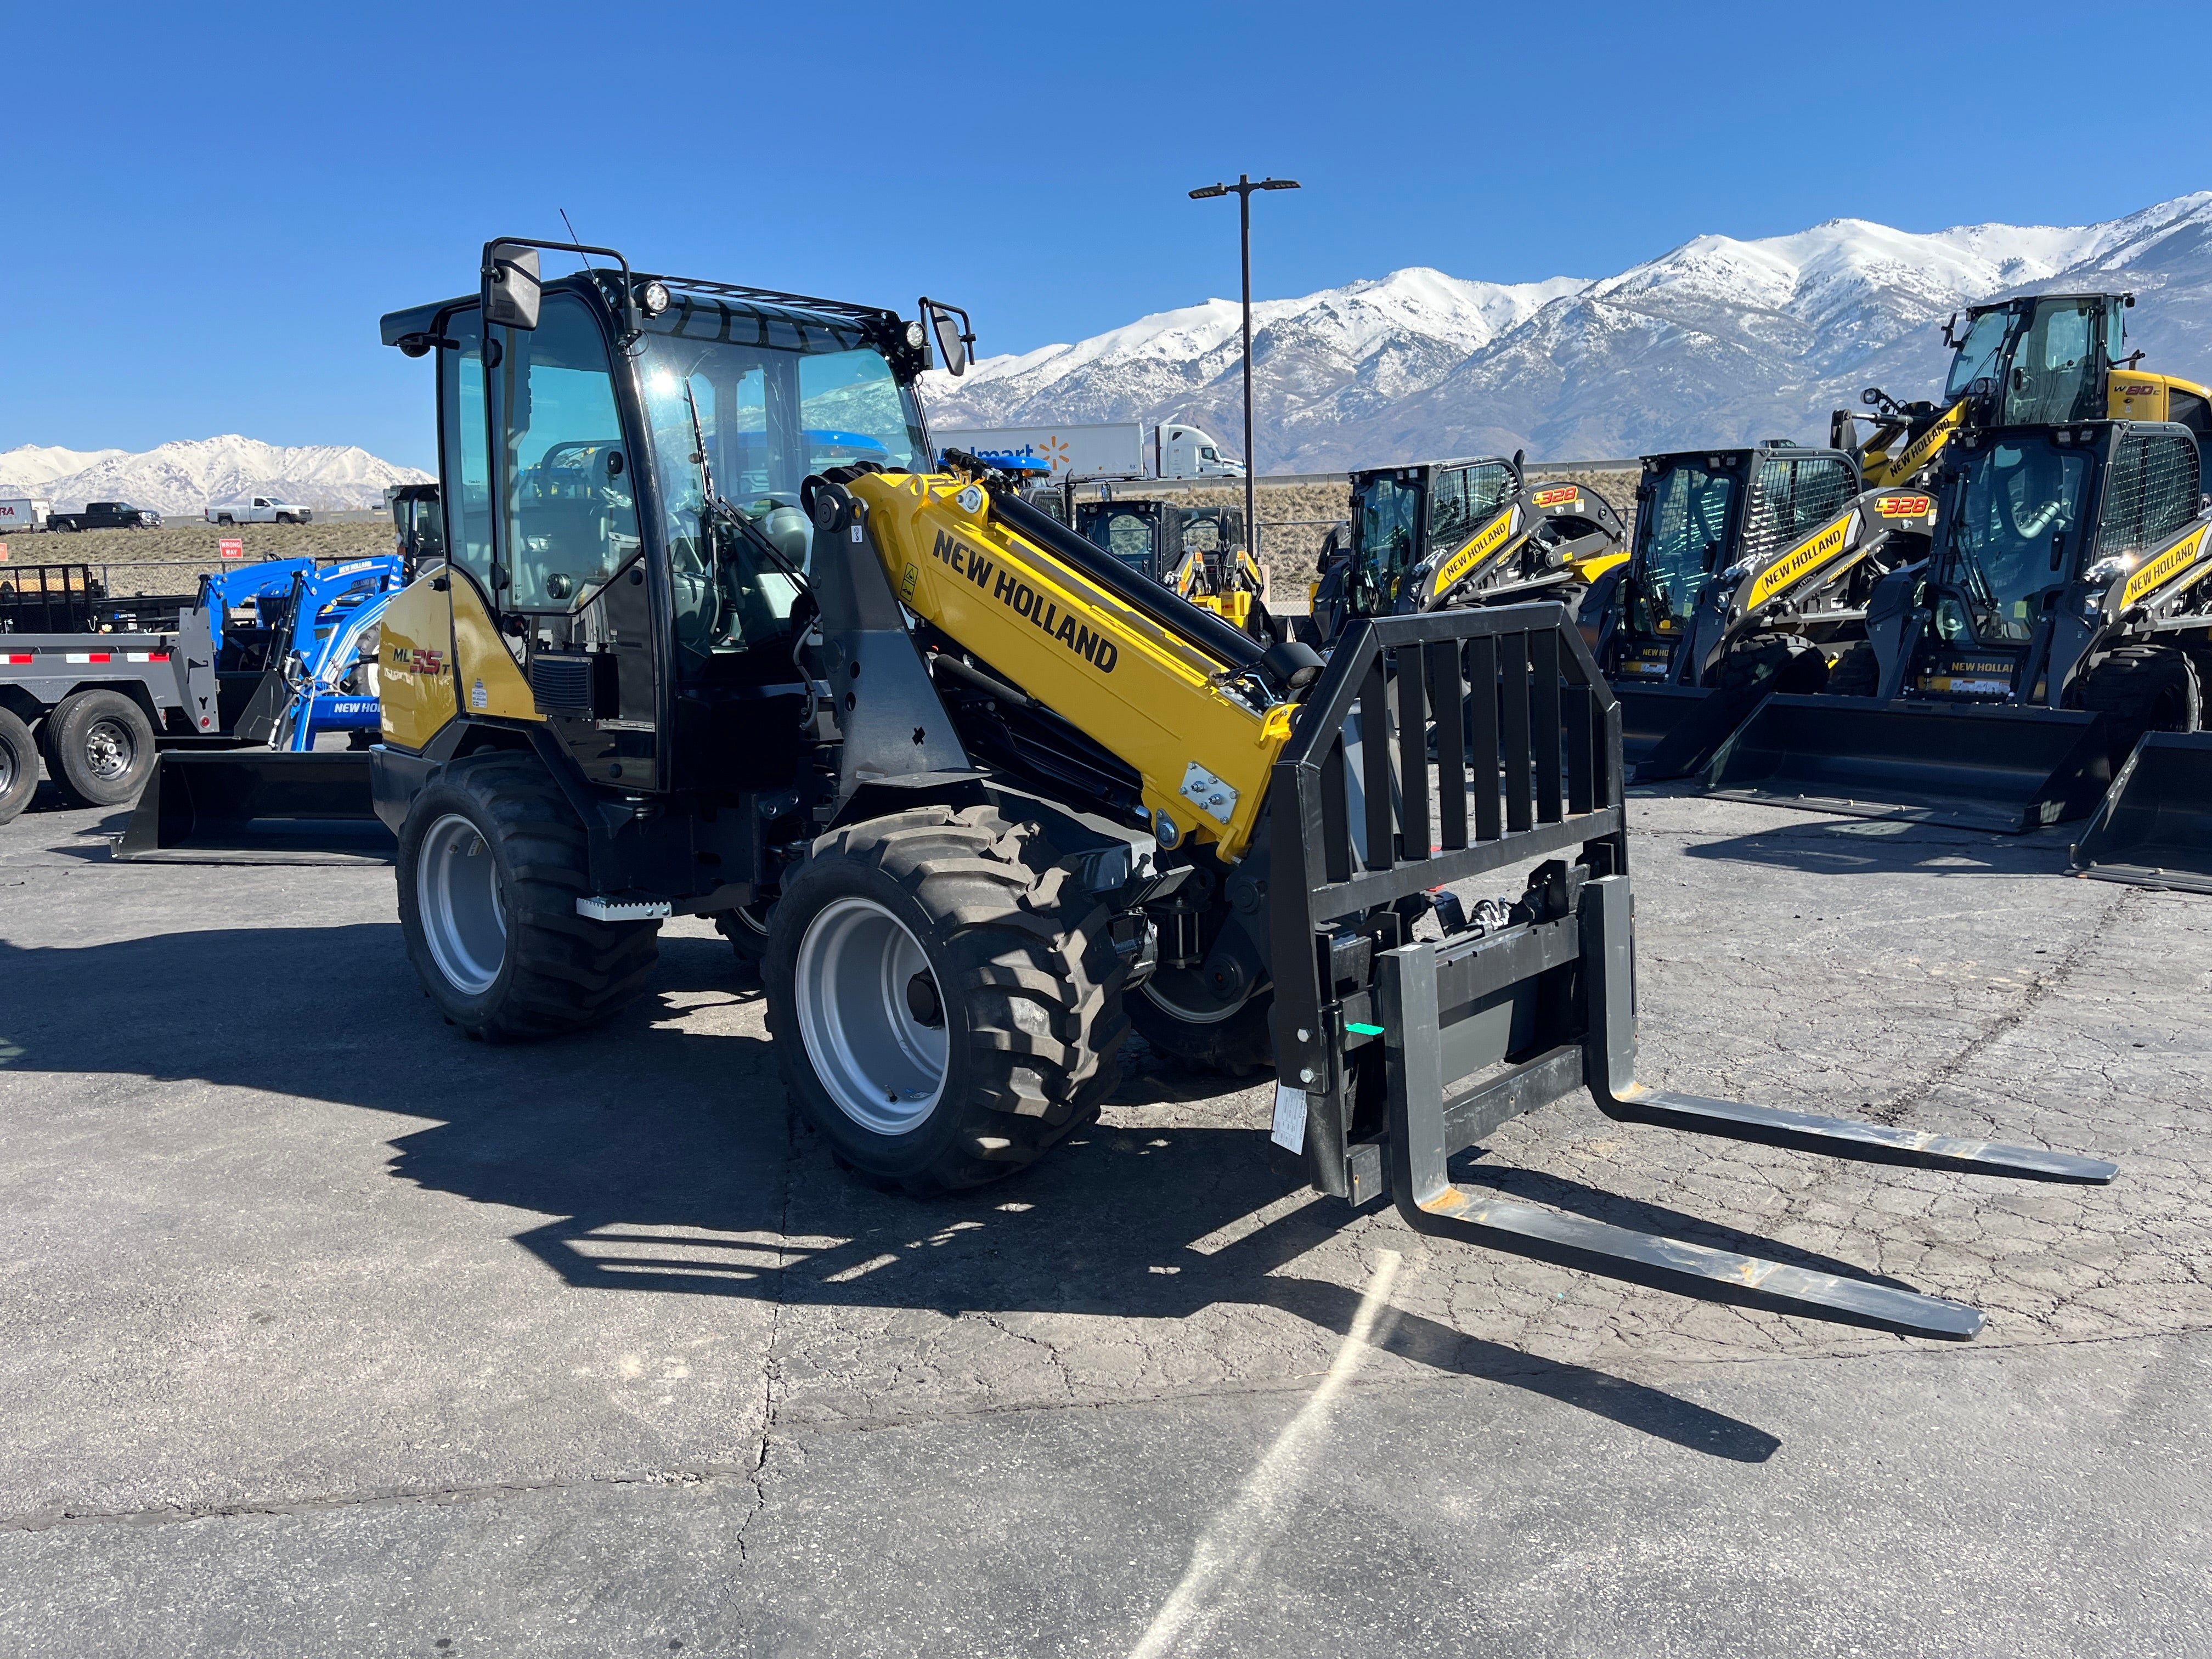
[[667, 1160], [1877, 846]]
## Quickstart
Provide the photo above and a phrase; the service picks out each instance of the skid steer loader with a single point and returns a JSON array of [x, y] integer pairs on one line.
[[2063, 615], [2037, 360], [987, 785], [1446, 533], [1201, 552], [1749, 574]]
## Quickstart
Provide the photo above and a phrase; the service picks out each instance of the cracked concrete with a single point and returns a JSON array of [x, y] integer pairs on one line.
[[588, 1347]]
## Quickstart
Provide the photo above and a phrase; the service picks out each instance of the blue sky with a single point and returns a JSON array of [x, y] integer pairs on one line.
[[225, 197]]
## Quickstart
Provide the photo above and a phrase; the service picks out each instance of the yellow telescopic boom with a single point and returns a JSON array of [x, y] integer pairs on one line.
[[1201, 731]]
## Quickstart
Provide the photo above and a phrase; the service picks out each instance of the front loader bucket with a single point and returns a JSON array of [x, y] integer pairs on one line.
[[2155, 827], [257, 806], [1673, 731], [1976, 766]]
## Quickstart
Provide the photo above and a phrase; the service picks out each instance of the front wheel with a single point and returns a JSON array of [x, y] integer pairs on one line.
[[492, 861], [946, 1004]]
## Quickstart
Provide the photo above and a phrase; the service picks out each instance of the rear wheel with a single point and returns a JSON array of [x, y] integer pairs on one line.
[[2143, 688], [18, 767], [947, 1006], [492, 861], [746, 928], [1855, 674], [100, 747], [1772, 662], [1172, 1013]]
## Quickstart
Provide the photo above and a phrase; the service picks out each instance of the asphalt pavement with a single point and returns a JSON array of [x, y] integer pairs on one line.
[[325, 1331]]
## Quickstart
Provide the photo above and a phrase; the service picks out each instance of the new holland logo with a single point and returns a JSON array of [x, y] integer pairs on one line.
[[2162, 569], [1800, 562], [1487, 541], [1026, 602]]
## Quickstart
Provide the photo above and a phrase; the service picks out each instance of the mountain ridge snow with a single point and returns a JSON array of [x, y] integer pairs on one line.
[[1719, 340], [187, 476]]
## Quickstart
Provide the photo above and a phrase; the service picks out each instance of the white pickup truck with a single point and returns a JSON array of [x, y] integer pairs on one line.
[[259, 509]]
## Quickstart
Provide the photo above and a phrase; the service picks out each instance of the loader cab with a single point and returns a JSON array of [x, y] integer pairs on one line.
[[2041, 360], [1405, 517], [626, 550], [2044, 526], [1689, 509], [1133, 532], [1189, 548]]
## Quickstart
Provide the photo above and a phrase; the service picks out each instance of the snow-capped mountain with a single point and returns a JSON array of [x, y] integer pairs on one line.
[[1719, 341], [185, 476]]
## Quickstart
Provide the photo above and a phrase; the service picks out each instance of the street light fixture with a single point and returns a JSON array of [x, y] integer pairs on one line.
[[1243, 188]]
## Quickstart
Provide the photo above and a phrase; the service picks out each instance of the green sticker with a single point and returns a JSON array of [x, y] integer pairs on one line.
[[1363, 1030]]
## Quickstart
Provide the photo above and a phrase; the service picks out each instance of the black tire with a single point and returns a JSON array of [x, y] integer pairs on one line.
[[286, 518], [1021, 976], [1855, 674], [100, 747], [746, 928], [556, 971], [1766, 663], [18, 767], [2143, 688], [1236, 1045], [223, 520]]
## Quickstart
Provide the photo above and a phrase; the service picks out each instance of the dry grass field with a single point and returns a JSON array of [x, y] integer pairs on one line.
[[170, 559]]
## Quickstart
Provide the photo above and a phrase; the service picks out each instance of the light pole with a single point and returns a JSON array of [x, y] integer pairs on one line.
[[1243, 188]]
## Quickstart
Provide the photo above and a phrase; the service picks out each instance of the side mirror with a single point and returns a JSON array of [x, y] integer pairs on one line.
[[512, 293], [952, 340]]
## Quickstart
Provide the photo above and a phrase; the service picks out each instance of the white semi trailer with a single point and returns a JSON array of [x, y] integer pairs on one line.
[[1112, 449]]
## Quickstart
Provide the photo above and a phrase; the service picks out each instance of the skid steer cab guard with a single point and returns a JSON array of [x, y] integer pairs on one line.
[[1751, 570], [1474, 531], [2005, 680]]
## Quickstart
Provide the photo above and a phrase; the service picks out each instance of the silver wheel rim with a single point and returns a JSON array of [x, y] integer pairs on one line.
[[110, 750], [881, 1061], [1212, 1014], [457, 890]]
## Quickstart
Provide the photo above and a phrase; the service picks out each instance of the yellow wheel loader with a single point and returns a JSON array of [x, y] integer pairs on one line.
[[1750, 573], [2039, 359], [2063, 616], [1445, 533], [984, 788]]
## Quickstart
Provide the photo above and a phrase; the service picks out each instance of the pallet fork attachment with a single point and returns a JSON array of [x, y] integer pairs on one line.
[[1535, 1006]]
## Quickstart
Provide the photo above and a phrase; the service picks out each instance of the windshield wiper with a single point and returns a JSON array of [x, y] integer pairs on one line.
[[720, 511]]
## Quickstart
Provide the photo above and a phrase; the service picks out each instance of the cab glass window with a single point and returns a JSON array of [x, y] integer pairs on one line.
[[2057, 375], [1681, 526], [467, 461], [2017, 535], [571, 513]]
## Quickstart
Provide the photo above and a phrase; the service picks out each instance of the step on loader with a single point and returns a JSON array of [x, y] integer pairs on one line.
[[982, 788], [1749, 574], [2063, 614], [1473, 532]]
